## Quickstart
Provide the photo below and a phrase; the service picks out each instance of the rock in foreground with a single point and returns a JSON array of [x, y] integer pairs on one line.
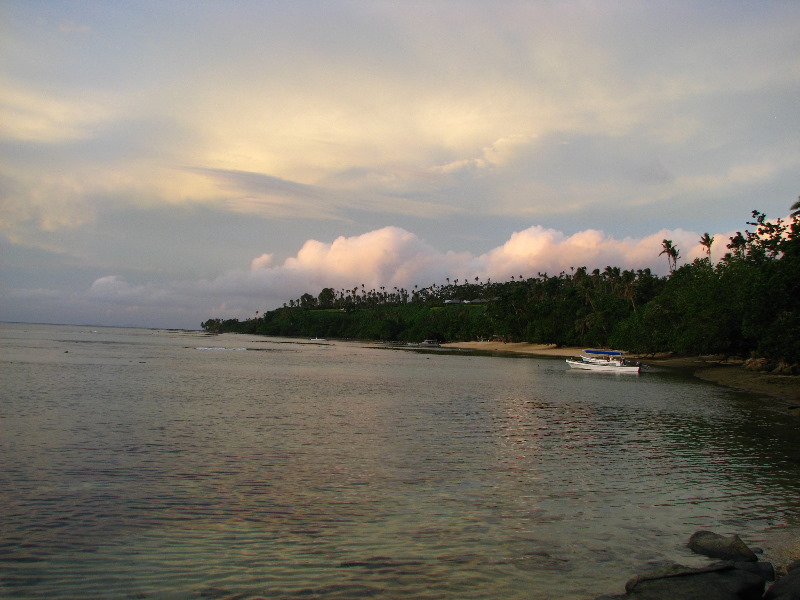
[[740, 577], [714, 545], [723, 581], [788, 587]]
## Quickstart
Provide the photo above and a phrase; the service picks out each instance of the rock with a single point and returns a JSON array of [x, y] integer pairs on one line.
[[723, 581], [785, 368], [760, 568], [714, 545], [787, 587], [758, 364]]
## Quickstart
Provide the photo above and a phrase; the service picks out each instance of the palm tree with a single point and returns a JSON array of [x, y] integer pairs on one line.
[[706, 240], [672, 254], [667, 249], [795, 208]]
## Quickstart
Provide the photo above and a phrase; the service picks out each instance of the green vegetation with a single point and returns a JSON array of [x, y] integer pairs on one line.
[[746, 305]]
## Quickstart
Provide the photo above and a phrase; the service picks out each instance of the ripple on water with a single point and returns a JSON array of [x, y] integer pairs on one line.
[[138, 467]]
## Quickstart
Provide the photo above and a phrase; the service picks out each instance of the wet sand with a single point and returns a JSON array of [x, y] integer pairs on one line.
[[729, 374]]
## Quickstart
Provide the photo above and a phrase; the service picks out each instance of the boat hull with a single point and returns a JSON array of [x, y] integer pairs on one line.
[[606, 367]]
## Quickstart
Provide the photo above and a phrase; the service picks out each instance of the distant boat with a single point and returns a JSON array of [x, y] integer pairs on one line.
[[317, 339], [610, 361], [425, 344]]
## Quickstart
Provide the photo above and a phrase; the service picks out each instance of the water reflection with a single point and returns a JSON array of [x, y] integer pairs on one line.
[[137, 465]]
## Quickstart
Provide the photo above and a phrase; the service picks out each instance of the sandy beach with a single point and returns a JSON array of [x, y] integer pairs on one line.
[[520, 348], [730, 374]]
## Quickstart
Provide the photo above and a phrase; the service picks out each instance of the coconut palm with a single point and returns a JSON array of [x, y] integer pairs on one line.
[[706, 240], [795, 208], [667, 249], [672, 254]]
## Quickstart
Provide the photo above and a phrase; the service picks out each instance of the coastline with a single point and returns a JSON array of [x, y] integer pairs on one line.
[[785, 388]]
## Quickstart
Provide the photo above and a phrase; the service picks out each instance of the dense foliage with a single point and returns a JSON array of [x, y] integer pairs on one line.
[[746, 304]]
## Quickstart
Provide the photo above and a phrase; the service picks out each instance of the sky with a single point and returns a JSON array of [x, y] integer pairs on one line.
[[165, 162]]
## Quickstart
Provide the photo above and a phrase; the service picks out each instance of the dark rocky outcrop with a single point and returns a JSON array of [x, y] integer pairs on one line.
[[779, 367], [787, 587], [741, 576], [722, 581], [714, 545]]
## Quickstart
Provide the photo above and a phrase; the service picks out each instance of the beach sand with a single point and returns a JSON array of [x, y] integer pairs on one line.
[[520, 348], [730, 374]]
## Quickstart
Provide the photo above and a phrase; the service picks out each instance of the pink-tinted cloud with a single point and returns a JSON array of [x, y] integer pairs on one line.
[[393, 257], [388, 257]]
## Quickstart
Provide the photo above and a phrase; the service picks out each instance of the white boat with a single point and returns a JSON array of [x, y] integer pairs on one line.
[[612, 366], [425, 344], [611, 361]]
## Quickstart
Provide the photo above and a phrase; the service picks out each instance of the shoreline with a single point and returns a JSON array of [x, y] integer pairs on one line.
[[785, 388]]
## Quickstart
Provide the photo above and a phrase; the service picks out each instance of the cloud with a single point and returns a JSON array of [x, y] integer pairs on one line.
[[141, 140], [27, 114], [498, 153], [112, 288], [387, 257], [373, 190], [298, 113], [392, 256]]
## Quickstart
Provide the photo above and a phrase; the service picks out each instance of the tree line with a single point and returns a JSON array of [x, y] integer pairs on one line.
[[746, 304]]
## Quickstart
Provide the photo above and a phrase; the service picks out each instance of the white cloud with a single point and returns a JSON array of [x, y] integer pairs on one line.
[[389, 257], [34, 116], [388, 111], [341, 116], [500, 152], [261, 262]]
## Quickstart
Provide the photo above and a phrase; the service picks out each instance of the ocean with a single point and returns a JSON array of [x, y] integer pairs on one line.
[[162, 464]]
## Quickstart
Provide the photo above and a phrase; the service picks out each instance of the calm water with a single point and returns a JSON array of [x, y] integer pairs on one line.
[[155, 464]]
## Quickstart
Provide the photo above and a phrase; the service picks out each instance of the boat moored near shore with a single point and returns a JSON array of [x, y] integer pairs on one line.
[[611, 361]]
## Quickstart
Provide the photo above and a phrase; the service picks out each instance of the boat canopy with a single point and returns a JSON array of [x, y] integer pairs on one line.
[[604, 352]]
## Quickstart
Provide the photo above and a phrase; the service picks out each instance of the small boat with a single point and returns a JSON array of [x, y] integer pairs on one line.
[[609, 367], [425, 344], [318, 339], [611, 361]]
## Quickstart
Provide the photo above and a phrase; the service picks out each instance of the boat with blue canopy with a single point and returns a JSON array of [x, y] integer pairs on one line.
[[604, 360]]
